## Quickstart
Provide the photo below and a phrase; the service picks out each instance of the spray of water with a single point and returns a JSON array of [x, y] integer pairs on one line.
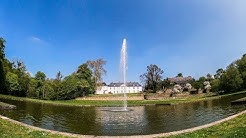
[[123, 63]]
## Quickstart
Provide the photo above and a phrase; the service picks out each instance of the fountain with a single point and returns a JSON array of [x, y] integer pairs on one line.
[[123, 68], [123, 65]]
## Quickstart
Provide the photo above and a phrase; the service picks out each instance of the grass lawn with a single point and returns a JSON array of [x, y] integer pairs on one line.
[[235, 128], [193, 98], [12, 130]]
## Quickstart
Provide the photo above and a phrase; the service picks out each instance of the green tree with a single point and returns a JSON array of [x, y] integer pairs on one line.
[[97, 69], [241, 65], [58, 76], [152, 77], [19, 68], [80, 83], [209, 77], [70, 88], [219, 73], [180, 75], [231, 80], [40, 77], [215, 85], [48, 91], [12, 83], [83, 73], [32, 92], [197, 84], [165, 84], [2, 72]]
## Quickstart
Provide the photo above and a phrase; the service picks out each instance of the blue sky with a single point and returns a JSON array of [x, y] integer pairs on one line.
[[192, 37]]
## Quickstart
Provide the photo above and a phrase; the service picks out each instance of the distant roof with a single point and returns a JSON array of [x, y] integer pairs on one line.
[[180, 79], [128, 84]]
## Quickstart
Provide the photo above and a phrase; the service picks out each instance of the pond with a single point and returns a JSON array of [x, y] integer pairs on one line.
[[139, 121]]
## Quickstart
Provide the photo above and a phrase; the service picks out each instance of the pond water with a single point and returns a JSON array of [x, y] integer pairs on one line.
[[139, 121]]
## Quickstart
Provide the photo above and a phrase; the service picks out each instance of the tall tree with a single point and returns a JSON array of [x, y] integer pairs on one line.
[[152, 77], [40, 77], [209, 77], [2, 72], [19, 68], [12, 83], [180, 75], [84, 74], [59, 76], [241, 65], [219, 73], [97, 67], [231, 80]]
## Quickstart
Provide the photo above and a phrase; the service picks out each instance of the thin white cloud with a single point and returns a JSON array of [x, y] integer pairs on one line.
[[35, 39]]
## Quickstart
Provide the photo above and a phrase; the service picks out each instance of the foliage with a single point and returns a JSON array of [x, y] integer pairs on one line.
[[198, 84], [19, 68], [209, 77], [180, 75], [164, 84], [241, 65], [2, 72], [231, 80], [97, 69], [12, 83], [216, 86], [31, 92], [152, 77], [40, 76], [219, 73]]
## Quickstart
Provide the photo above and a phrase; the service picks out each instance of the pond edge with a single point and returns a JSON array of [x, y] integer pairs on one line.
[[134, 136]]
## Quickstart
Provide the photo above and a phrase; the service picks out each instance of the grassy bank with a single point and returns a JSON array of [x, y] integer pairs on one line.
[[235, 128], [12, 130], [193, 98]]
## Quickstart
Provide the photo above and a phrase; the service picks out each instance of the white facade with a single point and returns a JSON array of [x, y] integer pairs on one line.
[[117, 88]]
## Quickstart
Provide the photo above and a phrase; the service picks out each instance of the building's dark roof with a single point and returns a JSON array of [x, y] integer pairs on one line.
[[179, 80], [128, 84]]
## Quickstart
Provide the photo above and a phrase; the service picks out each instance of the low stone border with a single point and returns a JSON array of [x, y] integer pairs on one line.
[[136, 136]]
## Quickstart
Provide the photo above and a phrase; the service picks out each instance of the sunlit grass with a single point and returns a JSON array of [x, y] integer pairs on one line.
[[12, 130], [235, 128]]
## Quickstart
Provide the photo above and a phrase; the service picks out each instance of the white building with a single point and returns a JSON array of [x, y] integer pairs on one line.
[[117, 88]]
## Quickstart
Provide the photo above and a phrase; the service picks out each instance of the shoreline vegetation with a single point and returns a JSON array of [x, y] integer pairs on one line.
[[110, 103], [233, 126]]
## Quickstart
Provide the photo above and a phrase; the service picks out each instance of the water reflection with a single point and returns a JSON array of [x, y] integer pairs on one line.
[[115, 123], [141, 120]]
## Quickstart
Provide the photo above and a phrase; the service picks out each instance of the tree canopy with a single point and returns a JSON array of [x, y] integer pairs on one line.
[[97, 69], [152, 77]]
